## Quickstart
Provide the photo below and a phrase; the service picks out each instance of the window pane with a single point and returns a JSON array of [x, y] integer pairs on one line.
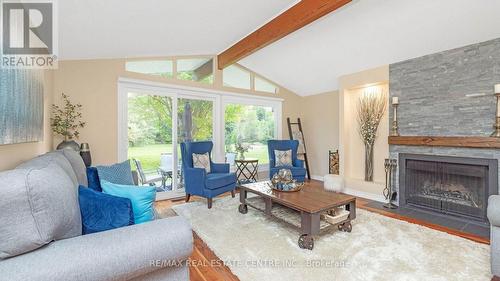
[[199, 70], [162, 68], [194, 119], [265, 86], [150, 139], [234, 76], [249, 127], [195, 123]]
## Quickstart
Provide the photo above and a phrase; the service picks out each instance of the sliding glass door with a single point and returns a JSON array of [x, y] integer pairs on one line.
[[195, 122], [156, 123], [155, 118]]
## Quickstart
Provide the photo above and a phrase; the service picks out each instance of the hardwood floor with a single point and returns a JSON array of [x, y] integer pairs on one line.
[[206, 266]]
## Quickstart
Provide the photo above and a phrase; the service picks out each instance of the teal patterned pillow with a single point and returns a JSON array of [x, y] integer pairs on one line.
[[283, 158], [202, 161], [119, 173]]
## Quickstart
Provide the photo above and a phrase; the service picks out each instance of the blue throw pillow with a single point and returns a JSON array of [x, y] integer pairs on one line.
[[119, 173], [142, 198], [93, 179], [101, 212]]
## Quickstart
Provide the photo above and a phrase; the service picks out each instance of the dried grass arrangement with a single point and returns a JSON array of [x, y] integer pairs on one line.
[[371, 108]]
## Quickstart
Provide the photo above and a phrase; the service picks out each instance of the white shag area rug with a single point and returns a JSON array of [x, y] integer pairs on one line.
[[256, 247]]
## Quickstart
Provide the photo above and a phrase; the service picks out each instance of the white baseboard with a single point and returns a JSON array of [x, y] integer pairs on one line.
[[366, 195], [357, 193], [170, 195], [316, 177]]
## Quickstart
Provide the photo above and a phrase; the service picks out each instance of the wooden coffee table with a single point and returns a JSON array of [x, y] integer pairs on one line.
[[309, 203]]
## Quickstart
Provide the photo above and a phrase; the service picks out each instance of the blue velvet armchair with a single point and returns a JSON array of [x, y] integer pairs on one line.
[[298, 170], [197, 181]]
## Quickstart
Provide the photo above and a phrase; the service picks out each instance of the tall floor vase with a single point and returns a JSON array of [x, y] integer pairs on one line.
[[368, 162]]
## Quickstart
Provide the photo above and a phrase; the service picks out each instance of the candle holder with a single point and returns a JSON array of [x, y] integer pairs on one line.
[[395, 128], [85, 154], [496, 126]]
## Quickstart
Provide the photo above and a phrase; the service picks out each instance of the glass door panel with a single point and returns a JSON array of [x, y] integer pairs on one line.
[[194, 123], [247, 130], [150, 139]]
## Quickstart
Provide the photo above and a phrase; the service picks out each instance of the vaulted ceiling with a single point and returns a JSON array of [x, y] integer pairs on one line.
[[362, 35], [370, 33], [90, 29]]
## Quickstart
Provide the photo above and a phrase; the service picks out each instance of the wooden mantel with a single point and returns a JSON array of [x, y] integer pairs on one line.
[[472, 142]]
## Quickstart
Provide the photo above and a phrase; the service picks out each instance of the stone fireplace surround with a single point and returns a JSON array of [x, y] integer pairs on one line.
[[447, 94]]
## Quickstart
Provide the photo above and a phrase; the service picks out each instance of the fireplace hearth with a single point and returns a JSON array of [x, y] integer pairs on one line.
[[453, 186]]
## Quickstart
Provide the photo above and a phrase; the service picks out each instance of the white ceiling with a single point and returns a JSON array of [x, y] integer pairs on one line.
[[370, 33], [362, 35], [131, 28]]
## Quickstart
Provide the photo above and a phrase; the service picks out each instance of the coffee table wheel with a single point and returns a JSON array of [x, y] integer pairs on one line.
[[306, 242], [243, 209], [346, 226]]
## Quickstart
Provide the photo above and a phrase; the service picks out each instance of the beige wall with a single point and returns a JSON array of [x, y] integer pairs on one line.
[[93, 83], [321, 129], [351, 148], [13, 154]]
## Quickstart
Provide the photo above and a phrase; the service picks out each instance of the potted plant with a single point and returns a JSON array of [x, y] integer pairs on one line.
[[66, 121], [241, 148]]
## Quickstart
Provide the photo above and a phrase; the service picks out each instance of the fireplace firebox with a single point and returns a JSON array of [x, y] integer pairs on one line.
[[454, 186]]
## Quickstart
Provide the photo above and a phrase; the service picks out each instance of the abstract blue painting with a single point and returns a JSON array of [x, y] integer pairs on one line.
[[21, 105]]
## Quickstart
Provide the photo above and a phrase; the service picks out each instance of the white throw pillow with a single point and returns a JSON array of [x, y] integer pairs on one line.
[[283, 158], [202, 161]]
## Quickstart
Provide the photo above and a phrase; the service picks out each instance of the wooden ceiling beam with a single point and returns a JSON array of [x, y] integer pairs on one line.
[[298, 16], [204, 70]]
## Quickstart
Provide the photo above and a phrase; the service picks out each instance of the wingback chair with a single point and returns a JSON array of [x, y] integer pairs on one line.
[[198, 181], [297, 168]]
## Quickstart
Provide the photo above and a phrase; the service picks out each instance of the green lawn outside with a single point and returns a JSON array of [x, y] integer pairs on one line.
[[258, 151], [149, 155]]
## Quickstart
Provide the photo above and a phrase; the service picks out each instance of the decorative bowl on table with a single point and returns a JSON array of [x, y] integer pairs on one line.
[[283, 181]]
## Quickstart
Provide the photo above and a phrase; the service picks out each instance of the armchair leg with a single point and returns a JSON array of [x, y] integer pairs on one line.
[[188, 196], [209, 203], [232, 193]]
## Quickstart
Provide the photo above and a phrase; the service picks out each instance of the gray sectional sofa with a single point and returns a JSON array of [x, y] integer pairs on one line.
[[494, 218], [41, 236]]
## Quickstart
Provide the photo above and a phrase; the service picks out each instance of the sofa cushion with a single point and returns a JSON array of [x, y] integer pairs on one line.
[[202, 161], [93, 179], [42, 161], [39, 204], [283, 158], [142, 198], [77, 164], [119, 254], [119, 173], [217, 180], [101, 211]]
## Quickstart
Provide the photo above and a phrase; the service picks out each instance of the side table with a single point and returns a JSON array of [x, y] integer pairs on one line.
[[246, 170]]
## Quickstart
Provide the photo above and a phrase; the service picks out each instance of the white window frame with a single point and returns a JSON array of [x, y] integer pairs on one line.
[[220, 99]]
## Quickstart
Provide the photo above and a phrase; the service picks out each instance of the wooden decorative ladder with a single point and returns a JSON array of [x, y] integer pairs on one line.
[[298, 134]]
